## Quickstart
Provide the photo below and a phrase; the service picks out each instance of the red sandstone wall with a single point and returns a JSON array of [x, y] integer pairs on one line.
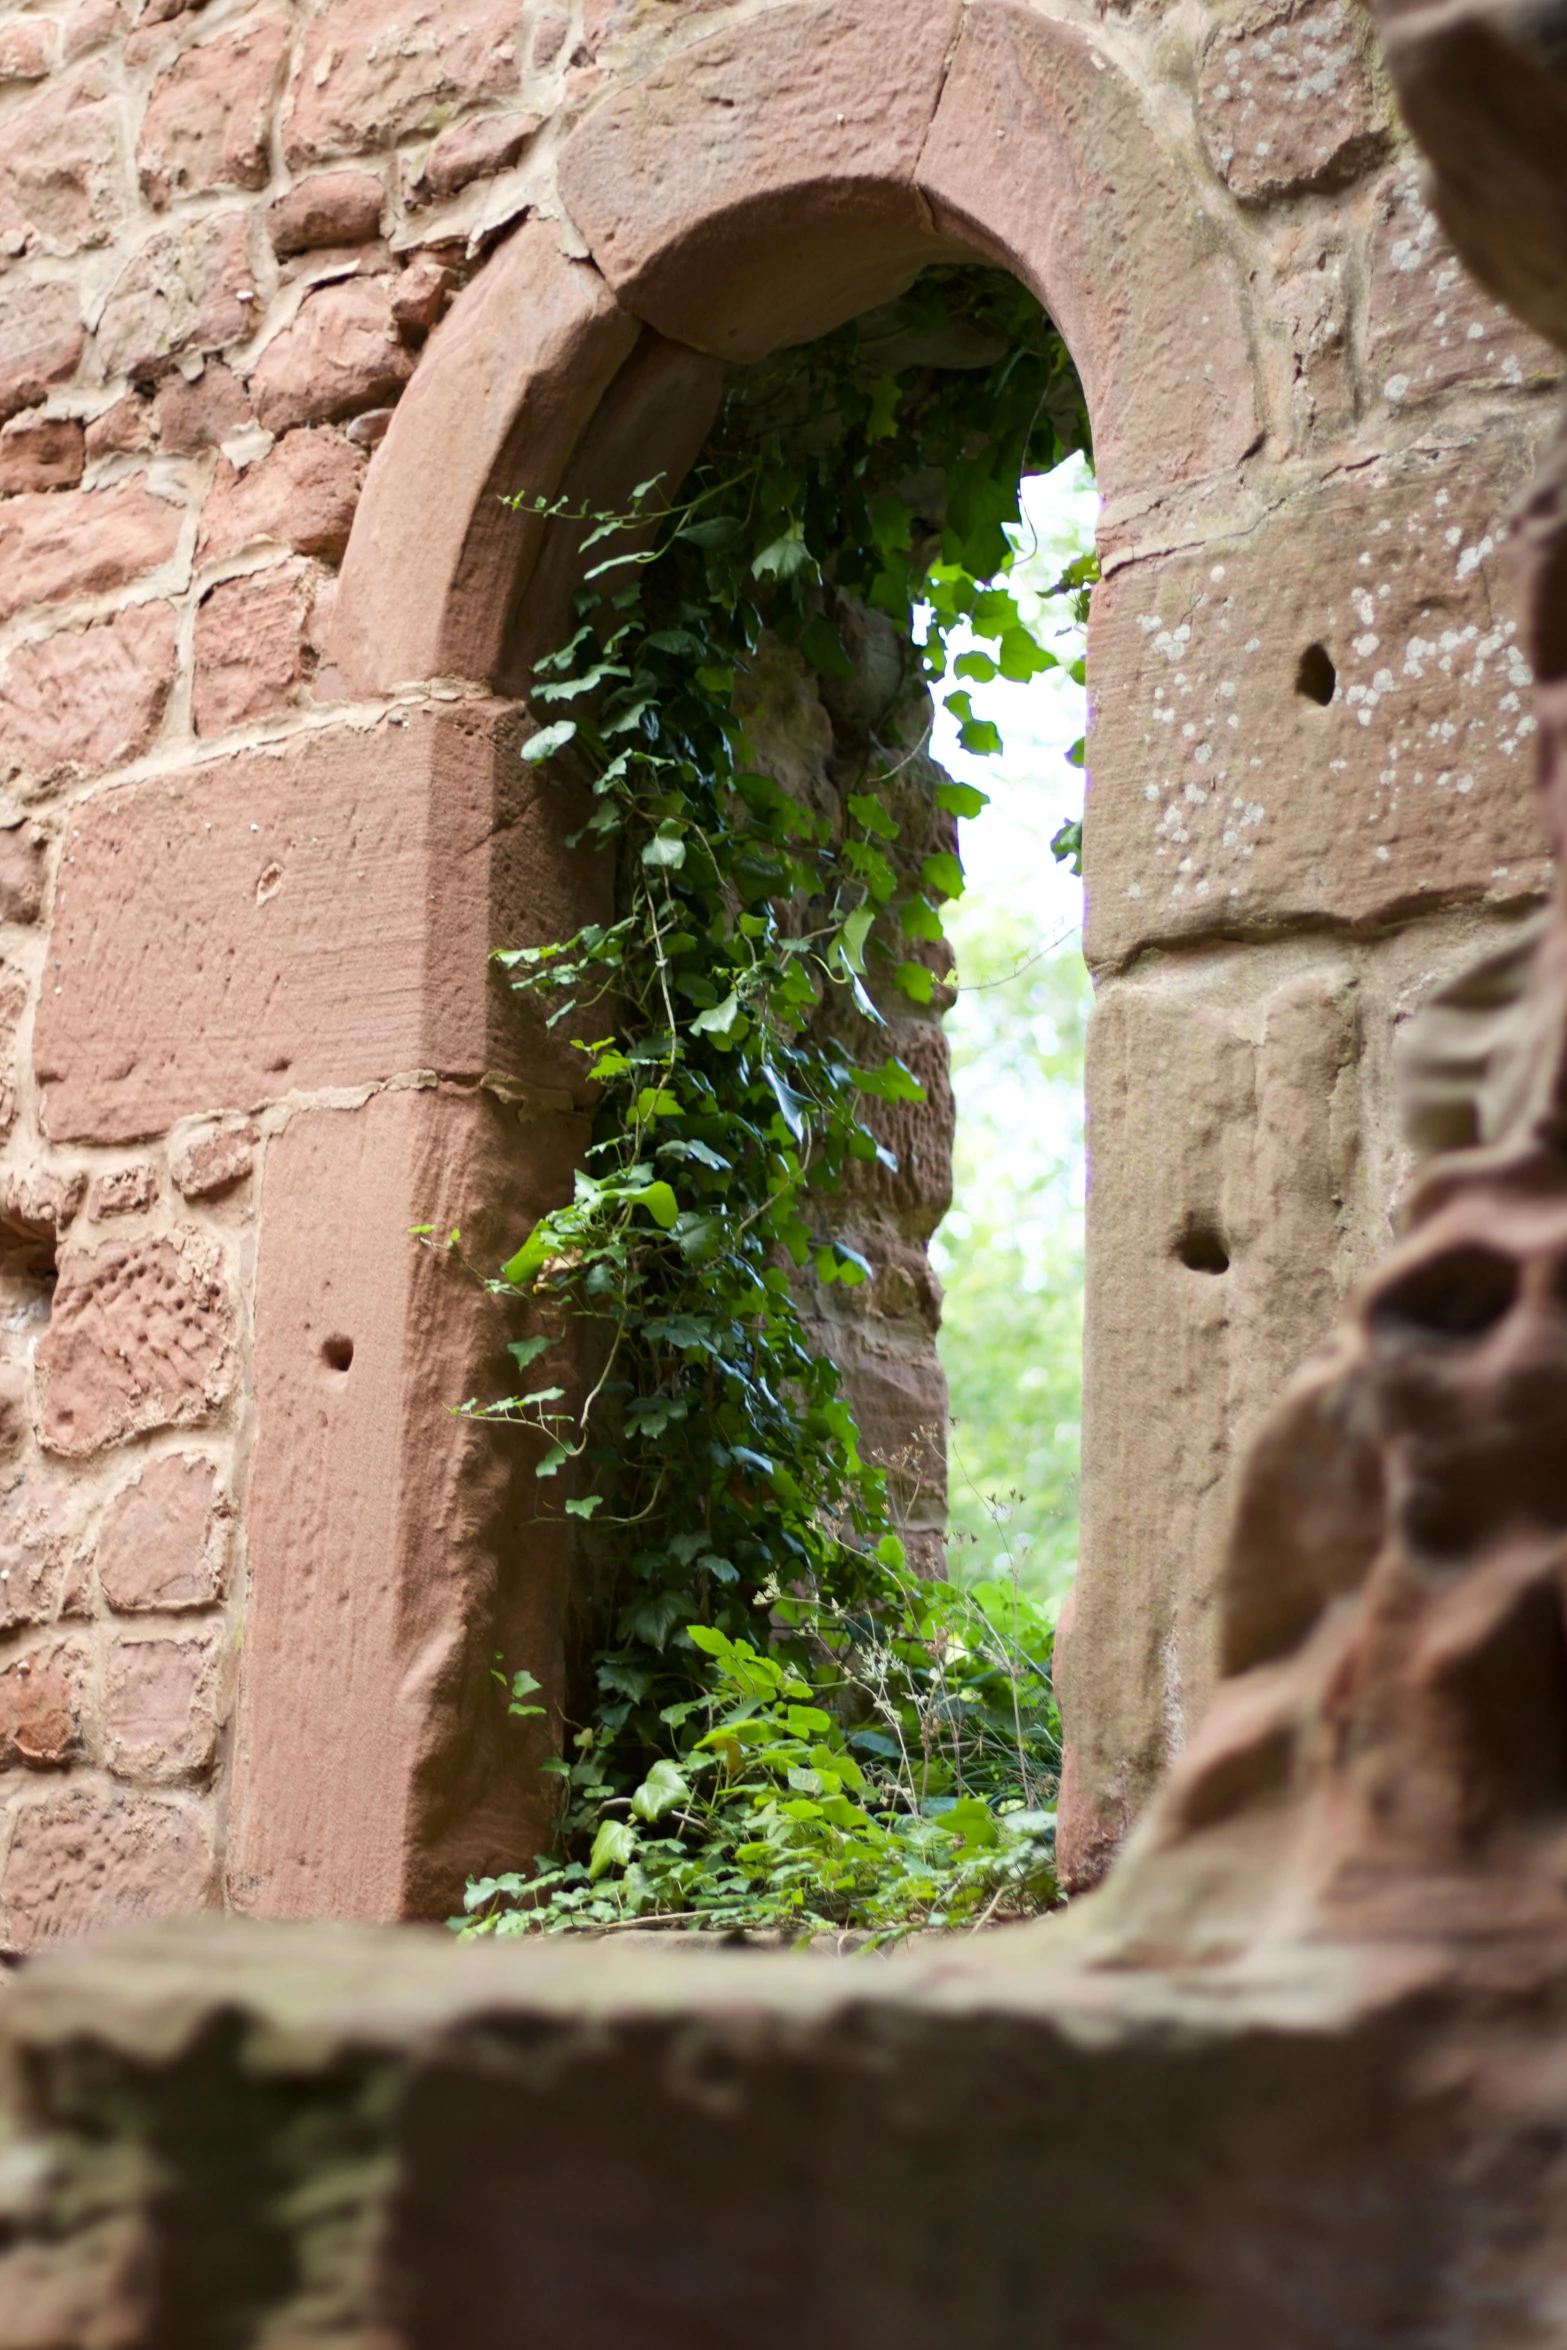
[[244, 917]]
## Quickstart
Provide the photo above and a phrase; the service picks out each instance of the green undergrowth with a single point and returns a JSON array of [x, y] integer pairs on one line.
[[773, 1721]]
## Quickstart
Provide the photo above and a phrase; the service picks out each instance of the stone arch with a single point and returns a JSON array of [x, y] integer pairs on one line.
[[757, 188]]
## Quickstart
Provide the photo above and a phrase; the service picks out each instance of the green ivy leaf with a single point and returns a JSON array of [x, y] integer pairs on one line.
[[660, 1791], [667, 848], [614, 1847], [549, 740]]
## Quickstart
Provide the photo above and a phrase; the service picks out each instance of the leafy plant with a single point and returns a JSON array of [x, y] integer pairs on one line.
[[734, 1008]]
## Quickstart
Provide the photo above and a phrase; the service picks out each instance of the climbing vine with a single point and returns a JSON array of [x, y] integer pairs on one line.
[[777, 1721]]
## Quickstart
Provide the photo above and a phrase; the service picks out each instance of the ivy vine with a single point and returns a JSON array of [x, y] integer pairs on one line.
[[775, 1720]]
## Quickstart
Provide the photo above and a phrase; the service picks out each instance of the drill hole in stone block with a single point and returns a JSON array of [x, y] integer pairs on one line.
[[337, 1353], [1462, 1294], [1316, 679], [1201, 1249]]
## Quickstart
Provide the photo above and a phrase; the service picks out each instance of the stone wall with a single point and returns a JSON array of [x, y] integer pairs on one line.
[[263, 815]]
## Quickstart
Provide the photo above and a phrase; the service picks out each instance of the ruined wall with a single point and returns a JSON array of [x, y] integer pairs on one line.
[[251, 861]]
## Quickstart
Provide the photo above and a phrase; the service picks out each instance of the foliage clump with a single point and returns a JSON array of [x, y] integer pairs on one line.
[[779, 1721]]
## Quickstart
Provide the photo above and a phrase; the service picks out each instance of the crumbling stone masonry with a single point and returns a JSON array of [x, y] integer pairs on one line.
[[288, 293]]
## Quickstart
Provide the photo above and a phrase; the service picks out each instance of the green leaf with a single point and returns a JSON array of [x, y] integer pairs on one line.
[[850, 941], [976, 665], [660, 1791], [942, 874], [667, 848], [891, 1551], [867, 809], [882, 422], [823, 647], [719, 1020], [916, 982], [661, 1204], [1067, 844], [981, 737], [549, 740], [614, 1847], [584, 1506], [961, 799], [786, 557]]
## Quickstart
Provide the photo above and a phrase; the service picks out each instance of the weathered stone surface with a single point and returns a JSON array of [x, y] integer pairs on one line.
[[46, 456], [340, 355], [43, 1200], [42, 1695], [473, 150], [88, 699], [211, 1159], [164, 1539], [1224, 794], [24, 854], [757, 188], [196, 416], [252, 650], [207, 118], [89, 26], [420, 297], [160, 1694], [89, 1857], [13, 1002], [303, 494], [141, 1336], [376, 70], [26, 50], [81, 543], [41, 340], [124, 1193], [380, 1662], [331, 208], [1284, 98], [1429, 328], [36, 1521], [1042, 157], [120, 430], [332, 904], [190, 288], [63, 171], [437, 559]]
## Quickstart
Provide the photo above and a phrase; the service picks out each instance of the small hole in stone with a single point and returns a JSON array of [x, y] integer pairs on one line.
[[1201, 1250], [338, 1353], [1316, 677]]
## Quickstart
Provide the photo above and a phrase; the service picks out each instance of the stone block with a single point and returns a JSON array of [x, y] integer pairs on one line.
[[189, 288], [89, 26], [160, 1696], [420, 297], [13, 1002], [758, 187], [42, 338], [332, 904], [120, 430], [81, 543], [142, 1336], [252, 649], [163, 1543], [1043, 157], [1325, 717], [64, 182], [1285, 100], [473, 150], [331, 208], [24, 865], [194, 416], [89, 1856], [88, 699], [42, 1696], [26, 49], [1430, 329], [42, 1200], [340, 355], [303, 494], [376, 71], [46, 456], [124, 1193], [36, 1525], [208, 117], [212, 1159]]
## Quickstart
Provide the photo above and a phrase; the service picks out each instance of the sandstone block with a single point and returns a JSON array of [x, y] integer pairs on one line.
[[120, 430], [24, 852], [35, 1529], [195, 416], [124, 1193], [16, 1425], [339, 356], [89, 26], [63, 177], [549, 38], [1284, 99], [420, 296], [212, 1158], [189, 288], [375, 71], [141, 1336], [1326, 717], [160, 1703], [164, 1539], [42, 1694], [46, 456], [87, 1857], [81, 543], [26, 50], [331, 208], [42, 1200], [41, 340], [303, 494], [87, 699], [207, 118], [473, 150], [1429, 327], [252, 652]]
